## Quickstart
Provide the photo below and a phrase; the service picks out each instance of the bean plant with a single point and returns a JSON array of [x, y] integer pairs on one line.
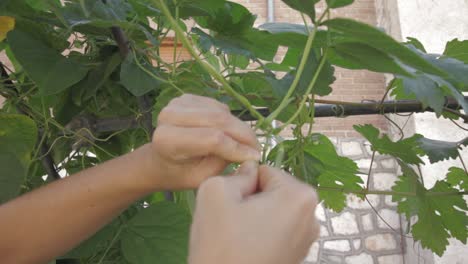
[[85, 81]]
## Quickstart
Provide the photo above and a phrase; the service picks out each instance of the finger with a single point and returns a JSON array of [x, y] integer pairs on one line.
[[183, 143], [244, 181], [193, 117], [199, 101], [271, 178]]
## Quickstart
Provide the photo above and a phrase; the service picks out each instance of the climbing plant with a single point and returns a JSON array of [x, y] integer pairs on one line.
[[88, 81]]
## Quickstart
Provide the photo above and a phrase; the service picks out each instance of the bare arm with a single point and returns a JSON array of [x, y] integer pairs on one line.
[[195, 139]]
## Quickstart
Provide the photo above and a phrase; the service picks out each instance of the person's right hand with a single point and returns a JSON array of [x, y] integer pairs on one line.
[[259, 215], [196, 138]]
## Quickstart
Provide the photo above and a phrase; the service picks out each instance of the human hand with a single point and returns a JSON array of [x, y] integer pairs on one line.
[[196, 138], [260, 215]]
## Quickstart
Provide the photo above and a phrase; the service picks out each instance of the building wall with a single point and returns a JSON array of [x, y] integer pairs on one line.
[[438, 21]]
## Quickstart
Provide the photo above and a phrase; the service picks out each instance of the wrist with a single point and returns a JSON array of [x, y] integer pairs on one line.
[[147, 173]]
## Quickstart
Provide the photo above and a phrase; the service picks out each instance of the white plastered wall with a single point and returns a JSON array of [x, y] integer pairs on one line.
[[433, 22]]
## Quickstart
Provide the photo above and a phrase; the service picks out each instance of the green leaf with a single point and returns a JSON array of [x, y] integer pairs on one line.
[[325, 79], [457, 49], [231, 20], [456, 71], [304, 6], [138, 80], [338, 3], [95, 244], [407, 149], [356, 55], [336, 172], [438, 150], [96, 78], [12, 175], [354, 31], [18, 135], [457, 177], [157, 234], [436, 213], [416, 43], [422, 88], [51, 71]]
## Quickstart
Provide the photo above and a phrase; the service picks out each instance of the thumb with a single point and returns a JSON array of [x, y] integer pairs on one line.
[[244, 181]]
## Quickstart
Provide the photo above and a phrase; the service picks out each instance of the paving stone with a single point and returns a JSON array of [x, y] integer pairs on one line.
[[344, 224], [380, 242], [323, 231], [367, 223], [362, 258], [365, 164], [320, 212], [357, 244], [384, 180], [355, 202], [367, 147], [334, 260], [391, 217], [351, 148], [312, 256], [391, 259], [337, 245], [388, 163], [388, 201]]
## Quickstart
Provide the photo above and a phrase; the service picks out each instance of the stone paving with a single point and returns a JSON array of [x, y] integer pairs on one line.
[[358, 234]]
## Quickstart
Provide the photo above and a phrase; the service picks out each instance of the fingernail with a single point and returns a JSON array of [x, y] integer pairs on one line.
[[253, 154], [247, 167]]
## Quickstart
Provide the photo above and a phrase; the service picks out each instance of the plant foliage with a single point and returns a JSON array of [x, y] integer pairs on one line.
[[77, 63]]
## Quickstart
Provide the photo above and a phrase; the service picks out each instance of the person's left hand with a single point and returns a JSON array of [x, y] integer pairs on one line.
[[197, 137]]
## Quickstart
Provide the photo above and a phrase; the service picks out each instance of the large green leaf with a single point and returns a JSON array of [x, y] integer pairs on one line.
[[157, 234], [303, 6], [12, 175], [354, 31], [423, 88], [51, 71], [336, 172], [96, 78], [457, 49], [231, 20], [138, 79], [436, 213], [325, 78], [438, 150], [356, 55], [407, 149], [338, 3], [95, 244], [18, 135], [96, 13], [295, 35], [316, 162], [252, 43], [458, 177]]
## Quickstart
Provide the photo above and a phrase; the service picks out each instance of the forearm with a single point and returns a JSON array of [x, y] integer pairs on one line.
[[59, 216]]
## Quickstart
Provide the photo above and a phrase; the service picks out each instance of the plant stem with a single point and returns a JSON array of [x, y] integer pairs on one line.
[[110, 244], [300, 69], [174, 54], [308, 91], [207, 67], [462, 162], [370, 169]]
